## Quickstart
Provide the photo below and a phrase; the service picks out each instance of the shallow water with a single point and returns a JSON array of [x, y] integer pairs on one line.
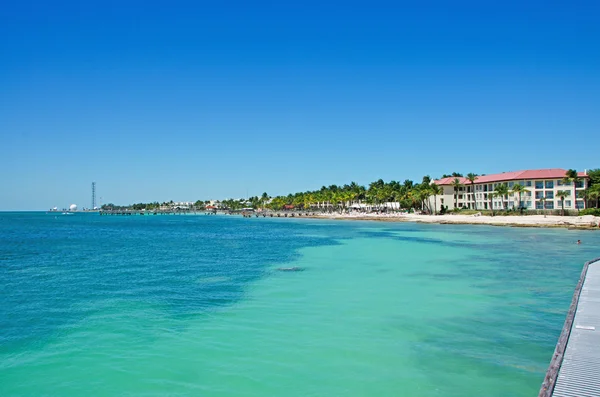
[[194, 305]]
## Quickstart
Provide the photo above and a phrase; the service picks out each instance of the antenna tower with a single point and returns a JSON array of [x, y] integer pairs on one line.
[[93, 195]]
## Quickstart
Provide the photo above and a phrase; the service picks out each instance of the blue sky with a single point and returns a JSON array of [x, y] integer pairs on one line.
[[200, 100]]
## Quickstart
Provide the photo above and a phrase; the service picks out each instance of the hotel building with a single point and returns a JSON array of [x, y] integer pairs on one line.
[[541, 186]]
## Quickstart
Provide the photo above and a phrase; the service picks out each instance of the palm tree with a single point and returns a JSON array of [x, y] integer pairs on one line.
[[456, 184], [471, 177], [594, 194], [383, 196], [435, 190], [571, 176], [519, 189], [562, 194], [502, 191], [423, 194], [264, 198], [307, 200], [358, 191], [542, 200], [495, 194]]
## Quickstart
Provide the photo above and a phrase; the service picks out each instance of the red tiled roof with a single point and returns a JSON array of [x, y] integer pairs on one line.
[[552, 173]]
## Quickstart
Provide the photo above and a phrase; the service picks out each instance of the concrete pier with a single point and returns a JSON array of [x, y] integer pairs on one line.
[[575, 367]]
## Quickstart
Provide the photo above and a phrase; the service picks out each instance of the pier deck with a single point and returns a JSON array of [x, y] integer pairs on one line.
[[575, 367]]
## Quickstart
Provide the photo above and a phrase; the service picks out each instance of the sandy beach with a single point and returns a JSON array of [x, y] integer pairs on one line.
[[579, 222]]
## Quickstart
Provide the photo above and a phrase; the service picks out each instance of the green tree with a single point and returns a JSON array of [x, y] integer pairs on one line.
[[456, 185], [263, 199], [471, 177], [435, 191], [199, 205], [572, 177], [493, 195], [562, 194], [594, 176], [502, 191], [423, 193], [542, 200], [594, 194], [519, 189]]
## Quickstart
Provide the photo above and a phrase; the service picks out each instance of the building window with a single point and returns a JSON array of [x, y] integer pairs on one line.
[[559, 182], [527, 194], [511, 184], [549, 184], [568, 203], [549, 194], [579, 204], [539, 205], [460, 196], [549, 205], [579, 184], [528, 183], [539, 184], [539, 195], [528, 204]]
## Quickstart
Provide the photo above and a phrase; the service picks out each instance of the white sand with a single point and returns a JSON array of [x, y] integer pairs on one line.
[[526, 220]]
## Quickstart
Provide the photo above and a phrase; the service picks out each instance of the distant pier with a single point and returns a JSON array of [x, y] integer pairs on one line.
[[274, 214], [154, 212], [575, 367], [245, 214]]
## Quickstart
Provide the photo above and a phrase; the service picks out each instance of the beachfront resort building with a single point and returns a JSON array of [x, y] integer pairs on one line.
[[541, 187]]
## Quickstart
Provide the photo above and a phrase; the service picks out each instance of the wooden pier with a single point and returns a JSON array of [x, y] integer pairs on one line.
[[575, 367]]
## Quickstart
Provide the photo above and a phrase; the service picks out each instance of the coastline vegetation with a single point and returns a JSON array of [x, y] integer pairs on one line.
[[384, 196]]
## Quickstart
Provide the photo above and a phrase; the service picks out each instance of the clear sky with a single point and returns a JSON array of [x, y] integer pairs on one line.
[[198, 100]]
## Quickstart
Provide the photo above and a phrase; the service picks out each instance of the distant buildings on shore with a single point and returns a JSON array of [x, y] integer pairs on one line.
[[541, 191]]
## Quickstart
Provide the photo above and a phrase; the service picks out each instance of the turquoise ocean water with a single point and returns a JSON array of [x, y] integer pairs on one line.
[[195, 306]]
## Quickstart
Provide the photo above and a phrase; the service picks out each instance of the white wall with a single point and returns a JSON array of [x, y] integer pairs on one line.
[[528, 198]]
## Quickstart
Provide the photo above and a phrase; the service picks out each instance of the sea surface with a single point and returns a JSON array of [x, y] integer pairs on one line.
[[196, 306]]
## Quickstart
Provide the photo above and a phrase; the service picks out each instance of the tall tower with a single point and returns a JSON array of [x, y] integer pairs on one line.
[[93, 195]]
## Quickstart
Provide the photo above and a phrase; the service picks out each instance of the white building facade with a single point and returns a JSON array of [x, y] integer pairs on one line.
[[541, 191]]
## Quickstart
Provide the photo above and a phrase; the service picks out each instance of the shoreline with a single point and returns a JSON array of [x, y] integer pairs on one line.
[[586, 222]]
